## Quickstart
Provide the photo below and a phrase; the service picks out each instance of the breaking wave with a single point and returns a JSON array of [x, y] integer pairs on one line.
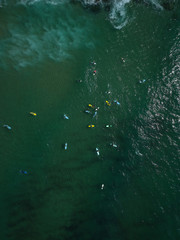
[[51, 29], [118, 14], [118, 9]]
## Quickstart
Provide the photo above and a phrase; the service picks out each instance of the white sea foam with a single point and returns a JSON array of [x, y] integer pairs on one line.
[[118, 15], [44, 32], [92, 2], [52, 32], [155, 3], [52, 2]]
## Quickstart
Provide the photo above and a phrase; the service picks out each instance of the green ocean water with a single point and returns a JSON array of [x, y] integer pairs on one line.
[[46, 47]]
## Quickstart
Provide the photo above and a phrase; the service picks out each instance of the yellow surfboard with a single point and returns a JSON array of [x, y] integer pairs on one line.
[[33, 114]]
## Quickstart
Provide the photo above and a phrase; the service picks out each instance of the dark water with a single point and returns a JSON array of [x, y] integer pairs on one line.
[[45, 48]]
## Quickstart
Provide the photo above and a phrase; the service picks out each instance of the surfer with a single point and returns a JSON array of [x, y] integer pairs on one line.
[[108, 103], [93, 63], [65, 146], [97, 151], [65, 116], [142, 81], [79, 81], [23, 172], [7, 126], [115, 101], [102, 186]]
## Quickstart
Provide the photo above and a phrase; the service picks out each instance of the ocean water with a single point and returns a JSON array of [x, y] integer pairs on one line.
[[46, 48]]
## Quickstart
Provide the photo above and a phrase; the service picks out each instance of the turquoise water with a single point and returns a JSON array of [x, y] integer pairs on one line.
[[46, 47]]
